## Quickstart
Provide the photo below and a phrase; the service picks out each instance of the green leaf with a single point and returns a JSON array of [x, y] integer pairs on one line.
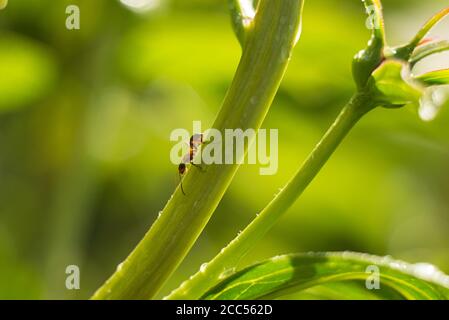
[[344, 290], [439, 77], [293, 273]]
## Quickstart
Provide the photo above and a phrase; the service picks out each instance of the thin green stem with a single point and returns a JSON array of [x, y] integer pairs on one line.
[[428, 49], [230, 256], [368, 59], [406, 51], [265, 57], [428, 26], [374, 7]]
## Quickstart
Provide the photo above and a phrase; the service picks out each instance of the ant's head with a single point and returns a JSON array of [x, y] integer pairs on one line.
[[182, 168]]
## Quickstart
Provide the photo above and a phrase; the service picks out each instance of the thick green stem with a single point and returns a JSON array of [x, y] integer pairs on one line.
[[230, 256], [264, 60]]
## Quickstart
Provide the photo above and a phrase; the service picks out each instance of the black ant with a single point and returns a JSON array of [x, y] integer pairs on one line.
[[195, 142]]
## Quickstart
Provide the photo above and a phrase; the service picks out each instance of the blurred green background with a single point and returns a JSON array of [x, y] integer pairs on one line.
[[85, 119]]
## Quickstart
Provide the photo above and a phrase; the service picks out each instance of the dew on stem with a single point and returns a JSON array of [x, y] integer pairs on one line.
[[432, 101], [203, 267], [226, 273]]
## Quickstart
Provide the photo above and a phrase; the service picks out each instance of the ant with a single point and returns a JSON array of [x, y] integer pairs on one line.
[[195, 142]]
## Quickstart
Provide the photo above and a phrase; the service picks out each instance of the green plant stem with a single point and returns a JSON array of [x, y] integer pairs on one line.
[[266, 53], [226, 261], [426, 50], [428, 26], [406, 51]]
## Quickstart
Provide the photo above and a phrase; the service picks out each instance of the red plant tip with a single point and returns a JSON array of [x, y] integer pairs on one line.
[[426, 40]]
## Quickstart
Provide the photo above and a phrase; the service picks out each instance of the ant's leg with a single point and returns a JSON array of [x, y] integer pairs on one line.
[[198, 166], [182, 189], [180, 182]]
